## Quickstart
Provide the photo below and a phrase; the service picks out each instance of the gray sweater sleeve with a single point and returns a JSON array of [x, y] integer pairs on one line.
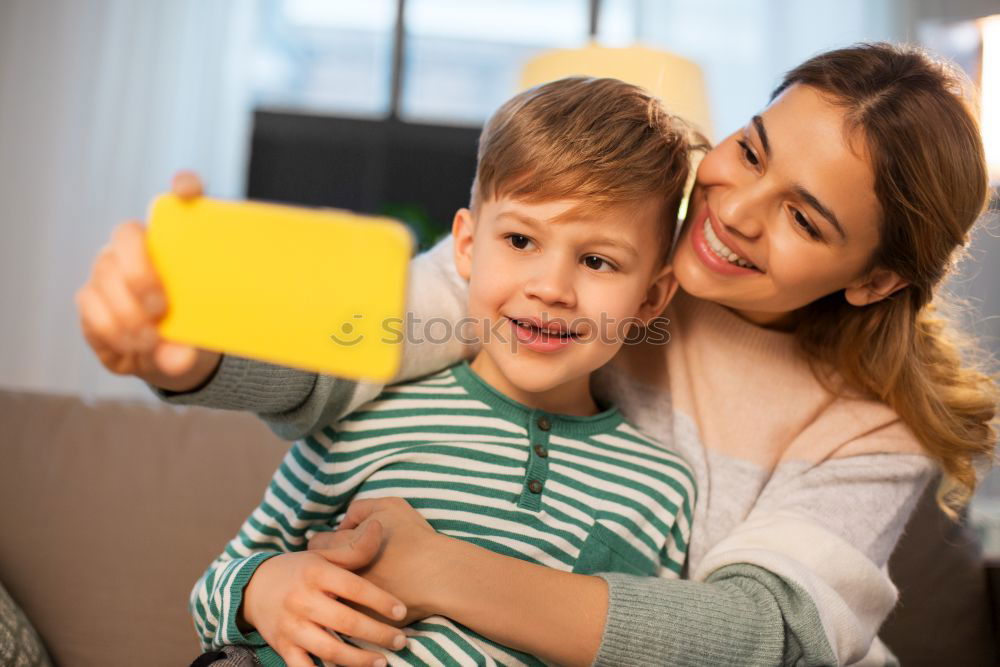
[[295, 403], [747, 614]]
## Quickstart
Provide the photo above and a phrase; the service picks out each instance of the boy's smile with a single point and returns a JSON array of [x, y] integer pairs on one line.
[[555, 288]]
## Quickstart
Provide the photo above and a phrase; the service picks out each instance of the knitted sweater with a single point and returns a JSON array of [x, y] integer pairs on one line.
[[802, 495], [579, 494]]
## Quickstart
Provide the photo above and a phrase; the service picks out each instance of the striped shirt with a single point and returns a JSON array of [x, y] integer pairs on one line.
[[580, 494]]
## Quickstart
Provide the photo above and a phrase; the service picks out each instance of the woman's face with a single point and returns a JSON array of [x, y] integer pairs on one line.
[[783, 213]]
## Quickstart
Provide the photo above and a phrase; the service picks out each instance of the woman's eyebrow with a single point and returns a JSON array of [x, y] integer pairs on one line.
[[806, 196], [810, 199], [758, 122]]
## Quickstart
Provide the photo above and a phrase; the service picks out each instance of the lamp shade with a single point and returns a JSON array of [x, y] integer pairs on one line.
[[678, 82]]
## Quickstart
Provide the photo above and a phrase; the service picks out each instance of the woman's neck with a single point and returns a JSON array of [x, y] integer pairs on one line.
[[777, 321]]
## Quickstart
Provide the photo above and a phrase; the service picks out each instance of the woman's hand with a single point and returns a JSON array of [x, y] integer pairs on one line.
[[292, 598], [411, 553], [523, 605], [123, 301]]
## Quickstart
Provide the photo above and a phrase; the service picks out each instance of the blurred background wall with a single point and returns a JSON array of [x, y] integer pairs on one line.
[[342, 103]]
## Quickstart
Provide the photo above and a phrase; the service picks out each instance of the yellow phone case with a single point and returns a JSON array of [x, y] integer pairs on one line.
[[321, 290]]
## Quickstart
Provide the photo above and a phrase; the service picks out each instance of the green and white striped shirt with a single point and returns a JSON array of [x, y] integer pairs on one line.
[[580, 494]]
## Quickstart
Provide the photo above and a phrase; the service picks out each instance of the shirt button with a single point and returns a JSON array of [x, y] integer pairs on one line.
[[535, 486], [544, 423], [541, 451]]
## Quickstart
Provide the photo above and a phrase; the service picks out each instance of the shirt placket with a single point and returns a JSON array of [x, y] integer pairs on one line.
[[537, 472]]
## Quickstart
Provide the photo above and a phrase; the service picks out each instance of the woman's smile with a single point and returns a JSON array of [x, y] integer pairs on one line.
[[719, 256]]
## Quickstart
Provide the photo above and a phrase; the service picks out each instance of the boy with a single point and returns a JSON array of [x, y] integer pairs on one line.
[[564, 247]]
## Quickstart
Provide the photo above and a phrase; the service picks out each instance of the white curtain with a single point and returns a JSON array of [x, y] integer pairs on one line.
[[100, 102]]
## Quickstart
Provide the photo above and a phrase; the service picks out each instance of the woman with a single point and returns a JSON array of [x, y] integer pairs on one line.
[[816, 237], [809, 385]]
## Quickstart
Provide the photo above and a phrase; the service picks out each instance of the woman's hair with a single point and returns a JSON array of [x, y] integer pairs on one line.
[[931, 182]]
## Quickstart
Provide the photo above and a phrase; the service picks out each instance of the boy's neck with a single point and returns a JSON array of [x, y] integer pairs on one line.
[[569, 398]]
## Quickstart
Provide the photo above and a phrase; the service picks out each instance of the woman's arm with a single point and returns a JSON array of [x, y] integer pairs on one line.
[[801, 580], [294, 403]]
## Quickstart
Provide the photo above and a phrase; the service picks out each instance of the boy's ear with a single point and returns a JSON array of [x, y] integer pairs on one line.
[[463, 230], [876, 286], [661, 291]]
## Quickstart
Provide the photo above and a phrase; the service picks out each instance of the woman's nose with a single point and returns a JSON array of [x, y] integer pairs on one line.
[[552, 284], [742, 210]]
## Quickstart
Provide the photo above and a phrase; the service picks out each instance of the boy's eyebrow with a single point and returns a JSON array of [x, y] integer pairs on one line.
[[605, 240], [520, 217], [799, 190]]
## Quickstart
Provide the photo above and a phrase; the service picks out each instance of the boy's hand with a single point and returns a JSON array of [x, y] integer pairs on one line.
[[293, 597], [409, 563], [123, 300]]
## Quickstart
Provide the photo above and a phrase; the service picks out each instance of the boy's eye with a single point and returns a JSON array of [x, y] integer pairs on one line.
[[518, 241], [596, 263]]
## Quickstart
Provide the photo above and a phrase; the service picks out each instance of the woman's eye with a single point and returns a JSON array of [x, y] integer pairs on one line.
[[594, 262], [748, 154], [804, 223], [518, 241]]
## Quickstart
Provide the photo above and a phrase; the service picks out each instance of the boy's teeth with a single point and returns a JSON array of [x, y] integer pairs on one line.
[[532, 327], [720, 248]]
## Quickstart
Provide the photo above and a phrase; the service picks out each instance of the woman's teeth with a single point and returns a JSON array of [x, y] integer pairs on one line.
[[720, 248]]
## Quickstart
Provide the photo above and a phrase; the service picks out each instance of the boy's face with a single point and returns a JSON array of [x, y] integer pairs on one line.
[[530, 278]]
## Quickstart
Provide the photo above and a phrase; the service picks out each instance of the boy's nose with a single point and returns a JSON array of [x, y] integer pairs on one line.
[[553, 286]]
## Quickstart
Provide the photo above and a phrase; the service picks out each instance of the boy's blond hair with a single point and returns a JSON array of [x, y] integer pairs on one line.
[[603, 141]]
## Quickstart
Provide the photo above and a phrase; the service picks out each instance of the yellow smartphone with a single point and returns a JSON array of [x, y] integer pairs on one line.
[[317, 289]]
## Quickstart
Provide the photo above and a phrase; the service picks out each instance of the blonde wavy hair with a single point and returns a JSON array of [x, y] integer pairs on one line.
[[931, 181]]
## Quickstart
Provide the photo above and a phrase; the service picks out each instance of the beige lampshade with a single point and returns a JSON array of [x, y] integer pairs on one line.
[[678, 82]]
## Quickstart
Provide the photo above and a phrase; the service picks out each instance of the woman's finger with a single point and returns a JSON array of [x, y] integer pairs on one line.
[[318, 641], [137, 331], [344, 584], [174, 359], [99, 320], [358, 511], [187, 184], [129, 248], [330, 613], [349, 549]]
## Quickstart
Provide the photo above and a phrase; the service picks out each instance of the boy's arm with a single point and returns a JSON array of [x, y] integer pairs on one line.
[[294, 403], [282, 523]]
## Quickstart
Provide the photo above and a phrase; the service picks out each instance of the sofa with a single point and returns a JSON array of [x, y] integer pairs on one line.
[[110, 510]]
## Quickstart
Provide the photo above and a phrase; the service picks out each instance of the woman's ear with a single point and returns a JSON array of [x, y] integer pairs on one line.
[[463, 229], [661, 291], [876, 286]]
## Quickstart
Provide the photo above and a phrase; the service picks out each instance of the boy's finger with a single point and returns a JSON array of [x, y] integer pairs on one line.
[[186, 184], [350, 586], [295, 656], [129, 249], [316, 640], [329, 613]]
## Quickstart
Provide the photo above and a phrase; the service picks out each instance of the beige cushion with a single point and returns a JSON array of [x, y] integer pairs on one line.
[[109, 512]]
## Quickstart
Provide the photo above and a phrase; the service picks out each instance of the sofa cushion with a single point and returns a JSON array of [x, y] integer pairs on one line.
[[945, 612], [110, 511]]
